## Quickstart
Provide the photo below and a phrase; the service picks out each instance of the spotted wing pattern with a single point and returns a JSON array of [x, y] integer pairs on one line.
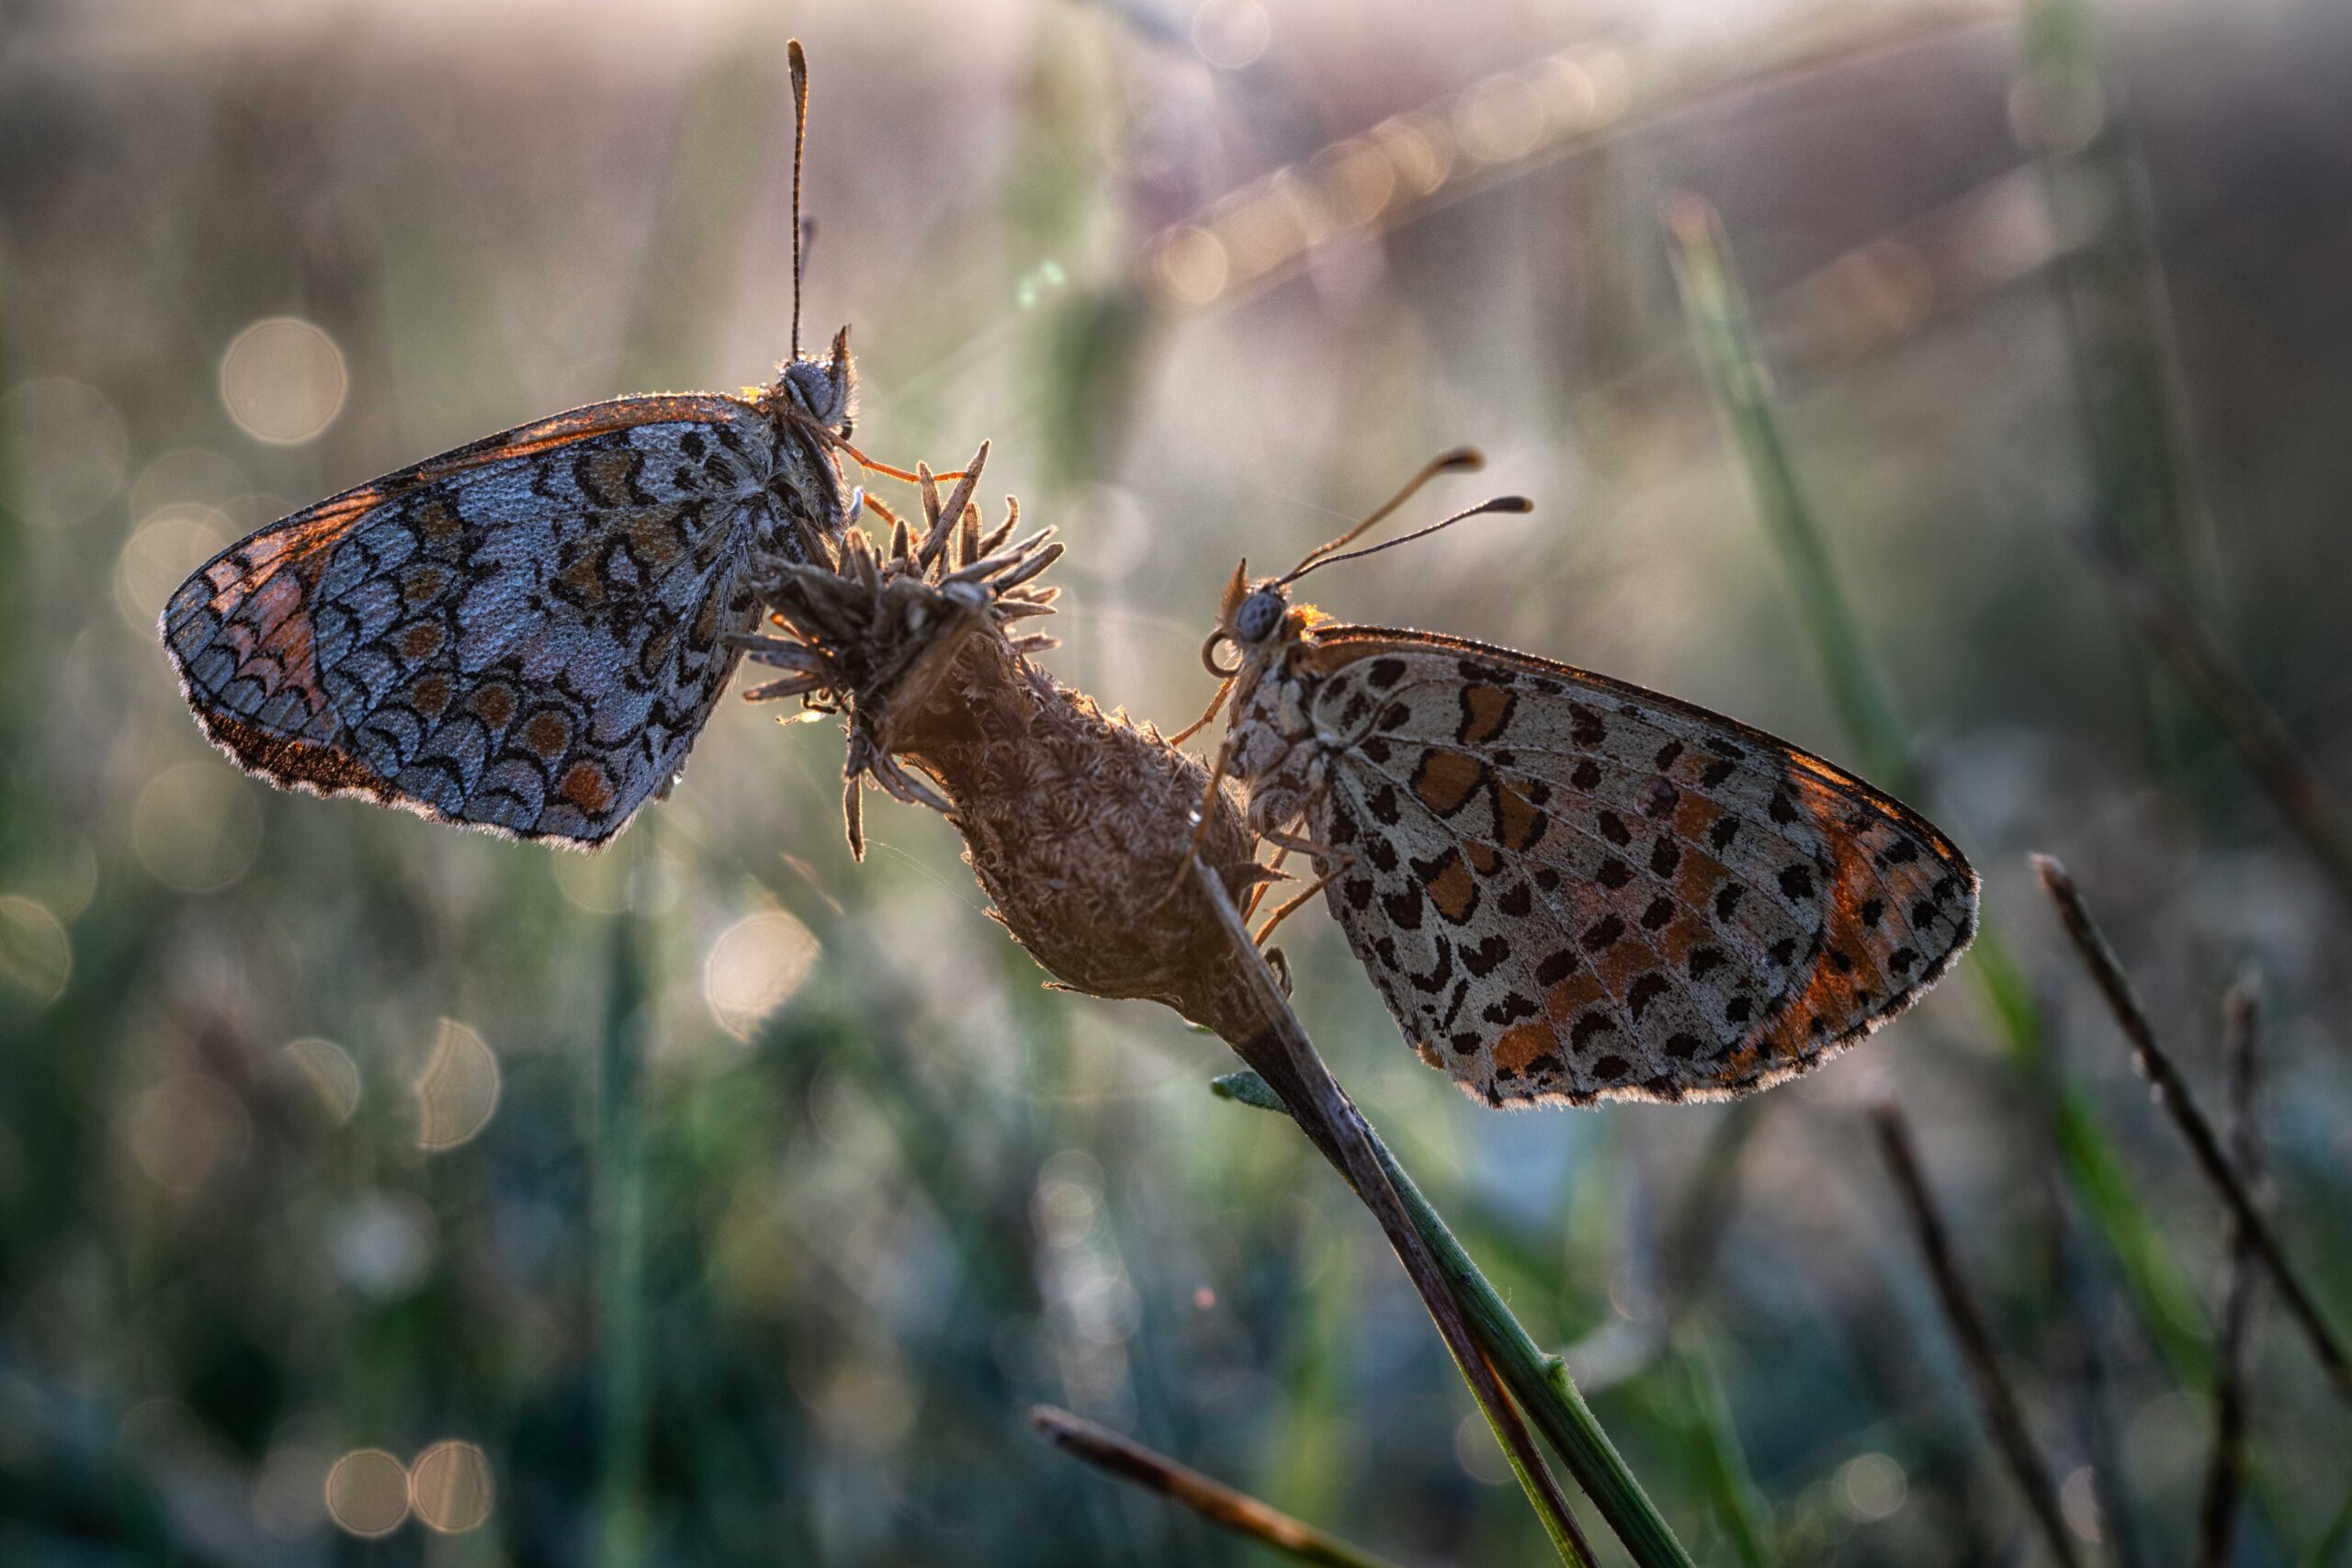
[[1568, 888], [523, 635]]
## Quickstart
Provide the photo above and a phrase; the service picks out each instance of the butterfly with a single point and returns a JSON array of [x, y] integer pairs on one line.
[[526, 634], [1568, 888]]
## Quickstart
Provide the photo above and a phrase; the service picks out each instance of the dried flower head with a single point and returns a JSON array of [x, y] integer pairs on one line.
[[1077, 822]]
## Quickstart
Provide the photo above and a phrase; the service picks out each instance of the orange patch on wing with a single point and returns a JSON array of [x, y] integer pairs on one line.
[[582, 580], [289, 640], [547, 732], [653, 538], [1446, 780], [1523, 1046], [1519, 822], [586, 787], [429, 695], [655, 651], [1572, 996], [296, 762], [1484, 859], [421, 640], [1696, 877], [437, 520], [494, 705], [1623, 961], [1485, 711], [1677, 942], [604, 476], [1453, 889], [423, 582]]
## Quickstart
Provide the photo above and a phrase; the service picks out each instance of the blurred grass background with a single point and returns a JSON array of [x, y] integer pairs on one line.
[[715, 1201]]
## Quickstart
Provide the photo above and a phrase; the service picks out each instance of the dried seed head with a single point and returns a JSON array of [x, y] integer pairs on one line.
[[1077, 822]]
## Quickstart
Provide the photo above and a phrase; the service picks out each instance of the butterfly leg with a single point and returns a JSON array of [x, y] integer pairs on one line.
[[1339, 862], [1258, 894]]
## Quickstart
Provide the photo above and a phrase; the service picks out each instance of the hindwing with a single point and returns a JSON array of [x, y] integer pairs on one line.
[[1569, 889], [523, 634]]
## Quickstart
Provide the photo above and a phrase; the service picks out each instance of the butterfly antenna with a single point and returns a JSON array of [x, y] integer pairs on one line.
[[800, 140], [1499, 503], [1461, 459]]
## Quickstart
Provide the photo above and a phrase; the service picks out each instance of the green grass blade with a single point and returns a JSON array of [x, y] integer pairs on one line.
[[1711, 294], [1537, 1380], [1740, 1508]]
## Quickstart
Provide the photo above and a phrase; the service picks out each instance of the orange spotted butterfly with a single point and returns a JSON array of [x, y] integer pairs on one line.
[[526, 634], [1568, 888]]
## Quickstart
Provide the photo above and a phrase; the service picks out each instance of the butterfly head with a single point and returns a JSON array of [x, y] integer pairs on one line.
[[1255, 619], [823, 391], [1258, 619]]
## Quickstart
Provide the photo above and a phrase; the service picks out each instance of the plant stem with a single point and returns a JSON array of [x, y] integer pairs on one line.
[[1993, 1394], [2203, 1143], [1538, 1380], [1220, 1505], [1712, 297], [2262, 742], [1718, 312], [1743, 1514], [2241, 1043], [1287, 1059]]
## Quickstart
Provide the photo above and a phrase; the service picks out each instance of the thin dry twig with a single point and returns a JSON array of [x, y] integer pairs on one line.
[[1287, 1059], [1993, 1391], [2241, 1044], [2230, 700], [2173, 1094], [1220, 1505]]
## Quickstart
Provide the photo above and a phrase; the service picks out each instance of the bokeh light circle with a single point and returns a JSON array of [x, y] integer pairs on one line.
[[167, 546], [367, 1493], [448, 1487], [283, 381], [1872, 1486], [36, 955], [1231, 34], [186, 1129], [328, 1074], [457, 1089], [755, 967], [196, 827]]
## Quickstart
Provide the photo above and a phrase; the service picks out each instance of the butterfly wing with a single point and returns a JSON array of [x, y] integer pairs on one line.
[[1570, 888], [523, 634]]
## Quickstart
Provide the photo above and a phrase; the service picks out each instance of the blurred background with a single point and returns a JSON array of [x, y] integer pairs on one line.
[[373, 1191]]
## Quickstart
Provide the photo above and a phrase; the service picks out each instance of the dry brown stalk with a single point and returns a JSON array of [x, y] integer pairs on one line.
[[2217, 1514], [1993, 1394], [1213, 1500], [2172, 1092], [2230, 700]]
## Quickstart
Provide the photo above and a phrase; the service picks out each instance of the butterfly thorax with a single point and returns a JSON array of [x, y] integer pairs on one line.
[[804, 504], [809, 407], [1278, 754]]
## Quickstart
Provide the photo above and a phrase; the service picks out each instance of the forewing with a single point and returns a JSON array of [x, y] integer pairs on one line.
[[523, 635], [1568, 888]]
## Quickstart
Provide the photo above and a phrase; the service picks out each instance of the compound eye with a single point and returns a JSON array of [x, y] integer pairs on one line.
[[810, 387], [1259, 614]]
